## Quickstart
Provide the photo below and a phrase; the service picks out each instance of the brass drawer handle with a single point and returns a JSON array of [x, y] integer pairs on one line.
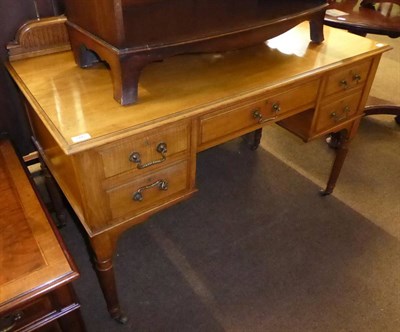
[[344, 116], [161, 148], [276, 108], [10, 321], [357, 78], [161, 184], [257, 115], [344, 84]]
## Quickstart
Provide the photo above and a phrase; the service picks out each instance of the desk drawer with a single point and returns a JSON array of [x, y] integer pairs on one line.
[[145, 152], [337, 112], [149, 191], [350, 77], [34, 311], [226, 123]]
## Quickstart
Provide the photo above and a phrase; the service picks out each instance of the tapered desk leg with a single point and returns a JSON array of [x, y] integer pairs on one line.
[[103, 250], [341, 144], [341, 153]]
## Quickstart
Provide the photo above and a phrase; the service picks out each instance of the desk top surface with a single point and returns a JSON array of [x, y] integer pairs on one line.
[[31, 258], [77, 105]]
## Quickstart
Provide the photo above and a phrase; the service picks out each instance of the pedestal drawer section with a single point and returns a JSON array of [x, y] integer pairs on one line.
[[337, 112], [353, 76], [271, 109], [149, 191], [144, 152], [34, 311]]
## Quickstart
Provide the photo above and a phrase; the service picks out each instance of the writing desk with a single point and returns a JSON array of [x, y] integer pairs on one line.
[[119, 165]]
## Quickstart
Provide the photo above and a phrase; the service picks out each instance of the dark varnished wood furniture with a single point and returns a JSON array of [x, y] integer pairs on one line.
[[129, 34], [119, 165], [35, 268], [380, 17]]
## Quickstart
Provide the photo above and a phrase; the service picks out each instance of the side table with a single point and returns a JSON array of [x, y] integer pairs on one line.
[[36, 270]]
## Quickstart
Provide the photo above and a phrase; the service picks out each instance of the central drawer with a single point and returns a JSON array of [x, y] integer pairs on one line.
[[223, 125]]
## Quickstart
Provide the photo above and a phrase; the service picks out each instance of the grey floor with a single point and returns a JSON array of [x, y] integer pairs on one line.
[[257, 249]]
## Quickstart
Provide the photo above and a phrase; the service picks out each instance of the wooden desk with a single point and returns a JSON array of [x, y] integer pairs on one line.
[[110, 161], [35, 268]]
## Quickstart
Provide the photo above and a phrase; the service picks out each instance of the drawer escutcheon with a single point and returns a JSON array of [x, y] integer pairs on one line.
[[357, 77]]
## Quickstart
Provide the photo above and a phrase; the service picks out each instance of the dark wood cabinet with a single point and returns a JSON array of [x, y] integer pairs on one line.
[[129, 34]]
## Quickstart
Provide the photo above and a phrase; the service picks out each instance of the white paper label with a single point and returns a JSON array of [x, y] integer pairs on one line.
[[336, 12], [81, 137]]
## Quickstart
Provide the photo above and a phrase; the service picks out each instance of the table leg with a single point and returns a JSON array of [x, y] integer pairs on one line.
[[103, 247], [54, 191], [125, 68], [55, 194], [342, 142], [65, 297], [125, 73], [317, 28], [341, 147], [253, 139]]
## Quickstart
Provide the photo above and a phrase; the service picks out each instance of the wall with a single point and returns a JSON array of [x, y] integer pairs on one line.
[[13, 13]]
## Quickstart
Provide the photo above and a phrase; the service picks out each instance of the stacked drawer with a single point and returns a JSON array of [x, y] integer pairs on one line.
[[341, 96], [27, 314], [148, 170]]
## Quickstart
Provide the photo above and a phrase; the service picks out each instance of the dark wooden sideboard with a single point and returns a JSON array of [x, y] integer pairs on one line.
[[129, 34], [118, 165], [36, 270]]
